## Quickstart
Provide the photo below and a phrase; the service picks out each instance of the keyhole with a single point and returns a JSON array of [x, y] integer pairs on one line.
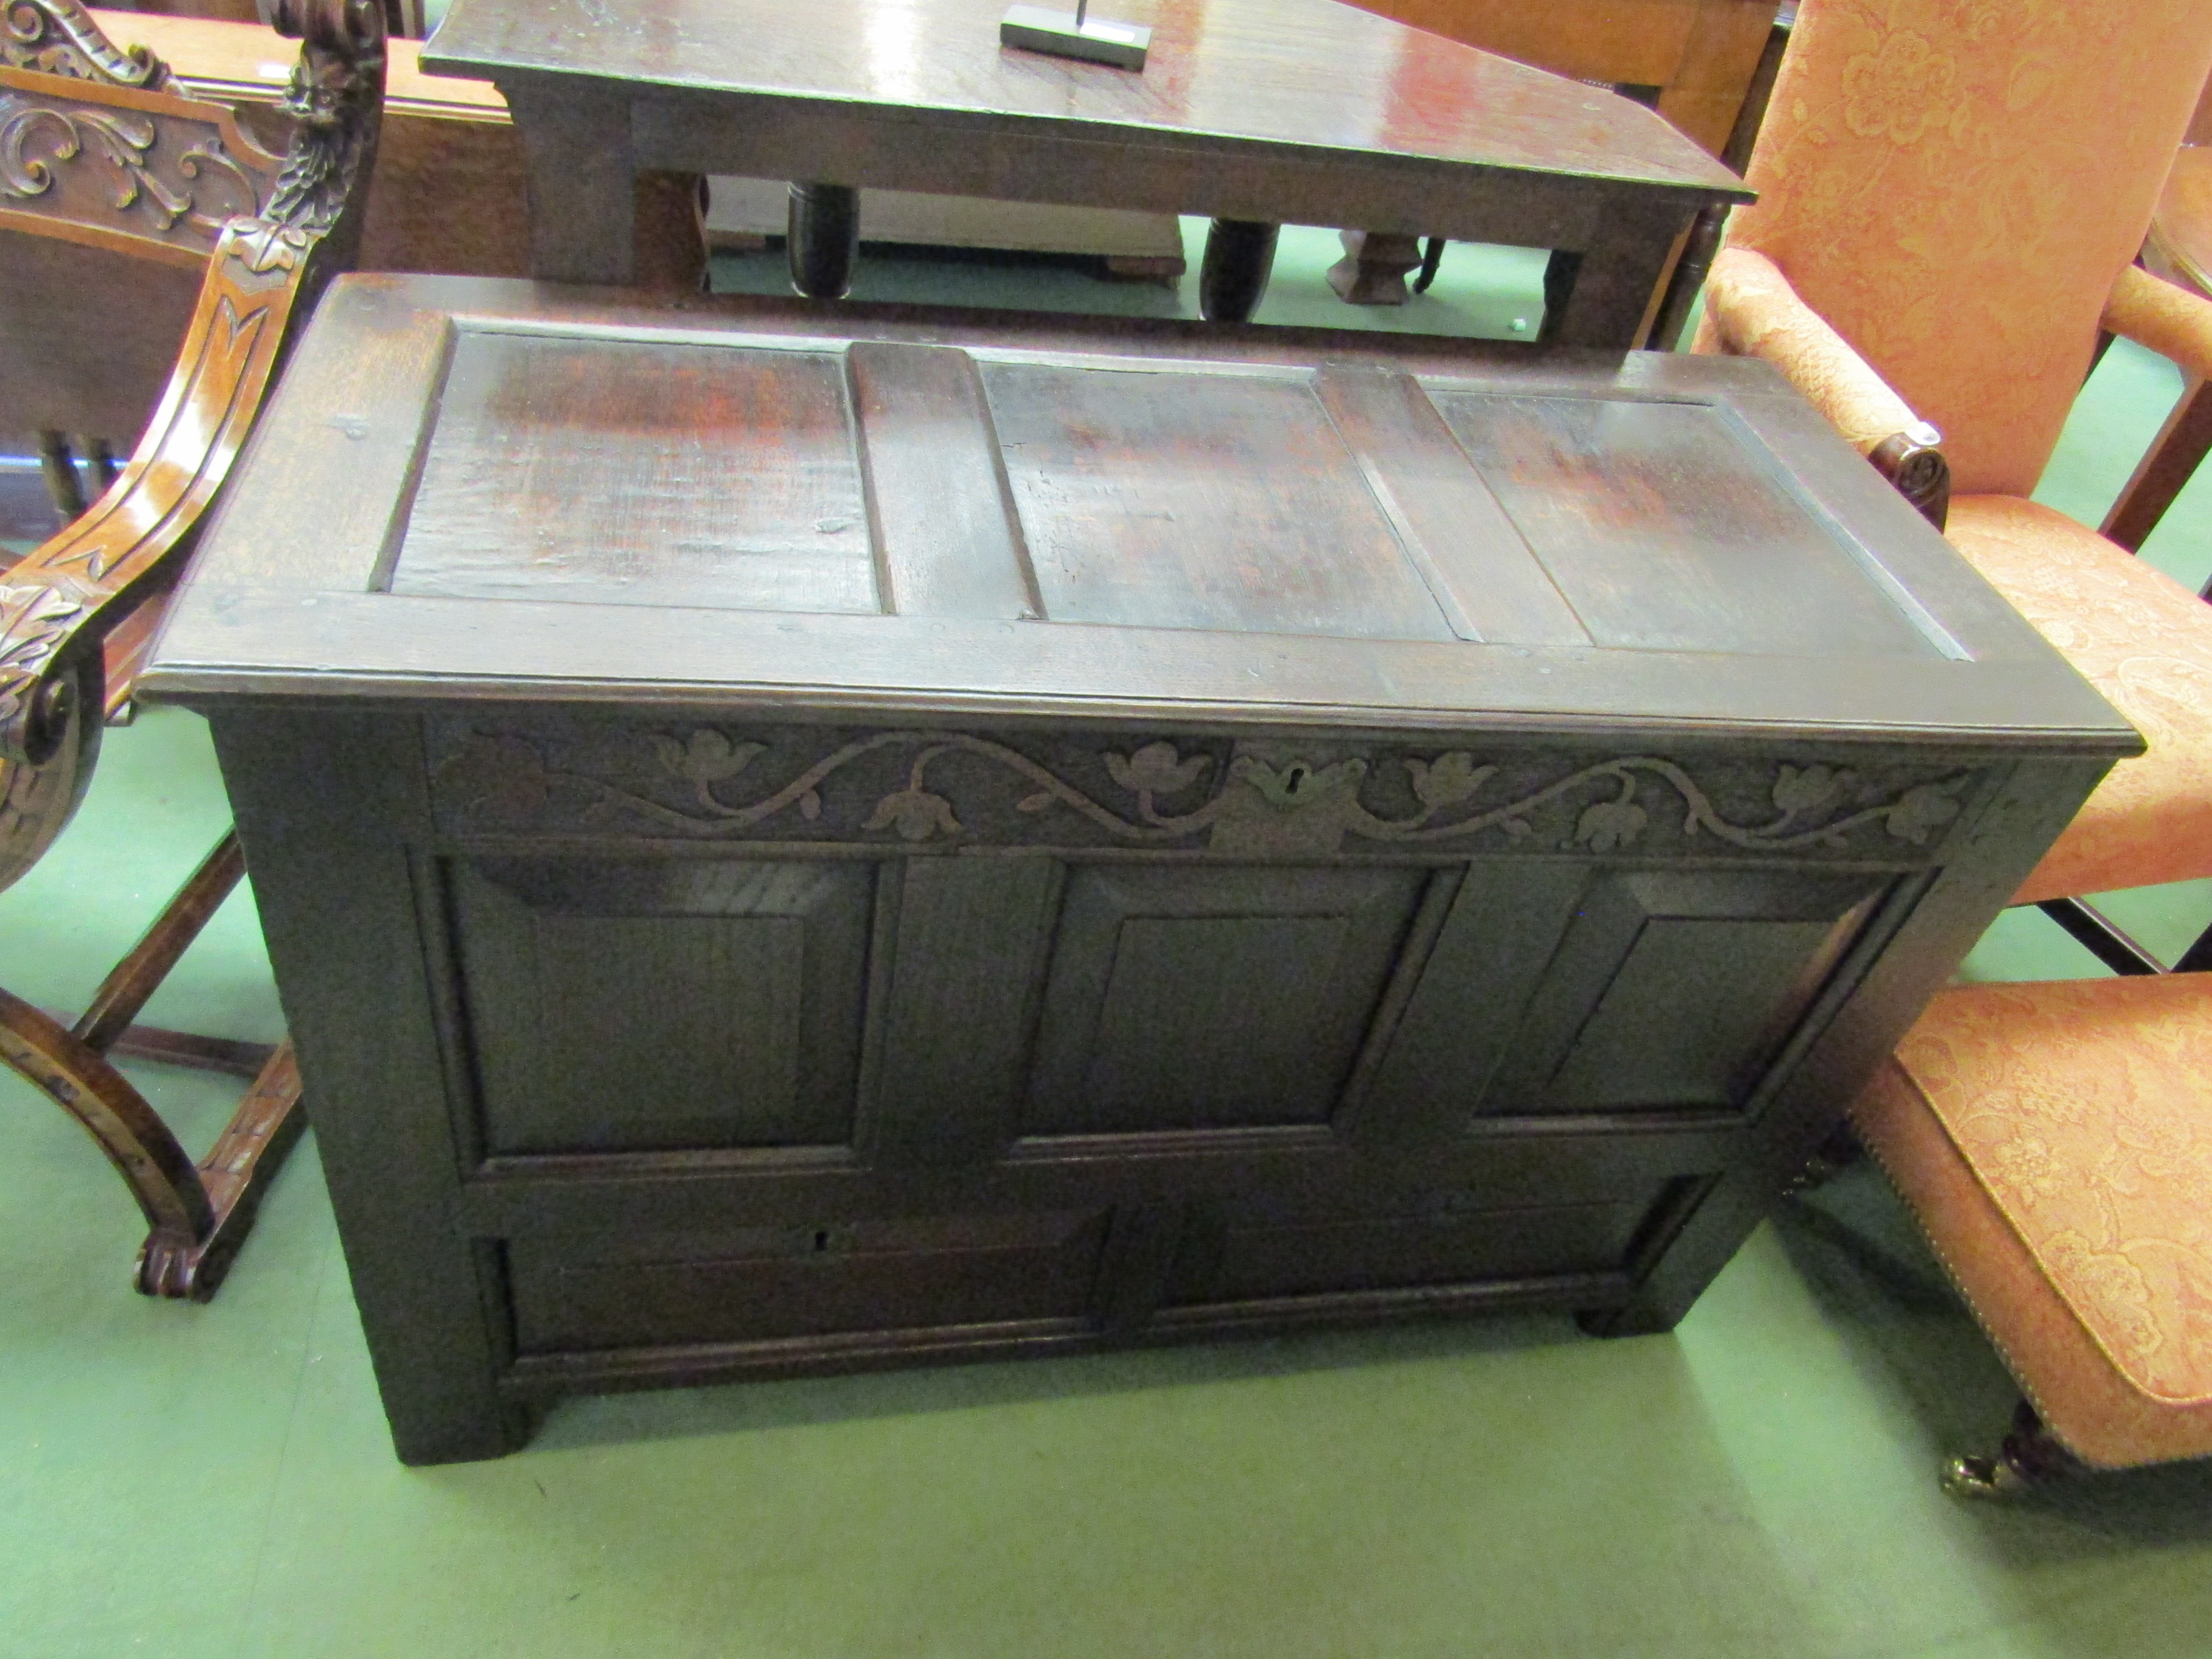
[[1292, 779], [821, 1243]]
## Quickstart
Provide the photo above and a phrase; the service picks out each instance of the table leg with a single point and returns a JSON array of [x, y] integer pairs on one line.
[[1603, 295], [583, 187], [823, 234], [1373, 270], [1238, 255]]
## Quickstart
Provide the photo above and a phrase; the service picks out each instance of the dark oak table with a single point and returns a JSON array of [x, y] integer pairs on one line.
[[798, 838], [1255, 112]]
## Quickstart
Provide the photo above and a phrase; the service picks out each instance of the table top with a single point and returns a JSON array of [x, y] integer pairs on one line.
[[1311, 74], [534, 492]]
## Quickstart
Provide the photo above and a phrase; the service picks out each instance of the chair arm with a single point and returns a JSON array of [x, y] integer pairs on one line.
[[2163, 316], [1752, 311], [63, 599]]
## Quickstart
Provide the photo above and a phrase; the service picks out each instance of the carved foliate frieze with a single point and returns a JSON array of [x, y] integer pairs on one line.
[[1251, 798], [146, 173], [59, 36]]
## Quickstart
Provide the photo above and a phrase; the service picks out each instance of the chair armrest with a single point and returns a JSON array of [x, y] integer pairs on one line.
[[2163, 316], [1751, 310], [61, 600]]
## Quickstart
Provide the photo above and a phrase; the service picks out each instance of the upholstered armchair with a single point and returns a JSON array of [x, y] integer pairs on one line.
[[1951, 193]]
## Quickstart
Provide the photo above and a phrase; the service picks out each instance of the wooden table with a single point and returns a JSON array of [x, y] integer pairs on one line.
[[1256, 111], [797, 838]]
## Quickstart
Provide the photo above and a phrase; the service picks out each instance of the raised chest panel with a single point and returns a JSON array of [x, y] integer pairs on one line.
[[1326, 500], [620, 1006]]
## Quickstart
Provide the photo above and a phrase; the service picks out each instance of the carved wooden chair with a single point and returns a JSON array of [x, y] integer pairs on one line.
[[1946, 217], [96, 155]]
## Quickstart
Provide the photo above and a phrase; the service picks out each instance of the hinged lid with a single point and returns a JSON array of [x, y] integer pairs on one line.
[[467, 490]]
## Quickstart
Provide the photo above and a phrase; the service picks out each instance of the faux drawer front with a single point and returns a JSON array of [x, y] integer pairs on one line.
[[1258, 1250], [777, 1284]]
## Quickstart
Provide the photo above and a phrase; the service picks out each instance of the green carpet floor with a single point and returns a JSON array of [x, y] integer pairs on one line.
[[201, 1481]]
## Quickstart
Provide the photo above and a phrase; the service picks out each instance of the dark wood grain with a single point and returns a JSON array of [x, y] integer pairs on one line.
[[104, 157], [1302, 831], [1253, 114]]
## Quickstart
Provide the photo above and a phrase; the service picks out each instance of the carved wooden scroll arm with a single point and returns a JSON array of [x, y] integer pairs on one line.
[[59, 36], [1751, 310], [64, 597]]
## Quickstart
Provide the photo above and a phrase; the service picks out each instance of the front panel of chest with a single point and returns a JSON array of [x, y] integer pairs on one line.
[[937, 948]]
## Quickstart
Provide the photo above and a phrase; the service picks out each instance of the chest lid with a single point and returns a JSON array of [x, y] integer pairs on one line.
[[839, 509]]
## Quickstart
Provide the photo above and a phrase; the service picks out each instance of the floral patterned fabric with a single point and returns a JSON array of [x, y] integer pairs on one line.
[[2055, 1138], [1954, 184], [2145, 643], [1751, 311]]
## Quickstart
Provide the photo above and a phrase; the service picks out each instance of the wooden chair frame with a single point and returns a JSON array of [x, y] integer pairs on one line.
[[75, 614]]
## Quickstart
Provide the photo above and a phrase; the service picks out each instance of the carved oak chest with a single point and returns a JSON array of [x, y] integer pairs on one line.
[[796, 839]]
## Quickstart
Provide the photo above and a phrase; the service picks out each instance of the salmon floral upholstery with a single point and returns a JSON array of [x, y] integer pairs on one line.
[[2145, 642], [1954, 185], [2055, 1141], [1752, 312]]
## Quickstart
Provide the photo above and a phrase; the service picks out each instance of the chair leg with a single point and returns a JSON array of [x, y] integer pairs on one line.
[[2173, 458], [197, 1214], [2030, 1458], [2103, 937], [64, 488]]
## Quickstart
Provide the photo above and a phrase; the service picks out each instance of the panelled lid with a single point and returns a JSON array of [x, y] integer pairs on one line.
[[847, 508]]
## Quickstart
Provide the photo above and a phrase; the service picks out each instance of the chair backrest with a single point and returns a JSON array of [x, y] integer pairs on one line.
[[261, 268], [114, 188], [1955, 184]]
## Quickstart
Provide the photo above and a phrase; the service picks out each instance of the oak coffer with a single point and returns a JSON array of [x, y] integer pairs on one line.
[[796, 838]]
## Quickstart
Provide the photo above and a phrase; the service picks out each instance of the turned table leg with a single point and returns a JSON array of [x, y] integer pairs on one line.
[[1373, 270], [824, 236], [1239, 253]]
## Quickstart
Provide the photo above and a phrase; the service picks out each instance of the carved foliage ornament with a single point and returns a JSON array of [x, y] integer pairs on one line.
[[36, 140], [1258, 806], [59, 36]]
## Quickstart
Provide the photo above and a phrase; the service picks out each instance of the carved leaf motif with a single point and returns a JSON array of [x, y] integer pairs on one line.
[[1609, 825], [1035, 803], [265, 246], [810, 805], [1806, 791], [916, 814], [705, 756], [1448, 778], [1922, 811], [1156, 767]]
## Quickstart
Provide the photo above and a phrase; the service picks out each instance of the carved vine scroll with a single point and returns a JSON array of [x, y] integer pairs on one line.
[[267, 267], [1277, 804]]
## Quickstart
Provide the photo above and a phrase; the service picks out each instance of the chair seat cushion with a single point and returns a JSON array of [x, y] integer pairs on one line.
[[2055, 1141], [2145, 642]]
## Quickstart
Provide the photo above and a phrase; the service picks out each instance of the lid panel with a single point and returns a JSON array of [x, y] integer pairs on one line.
[[1666, 531], [1200, 499], [625, 472]]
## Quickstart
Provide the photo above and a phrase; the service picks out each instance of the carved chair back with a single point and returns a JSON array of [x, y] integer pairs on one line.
[[64, 608], [1955, 184], [114, 189]]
